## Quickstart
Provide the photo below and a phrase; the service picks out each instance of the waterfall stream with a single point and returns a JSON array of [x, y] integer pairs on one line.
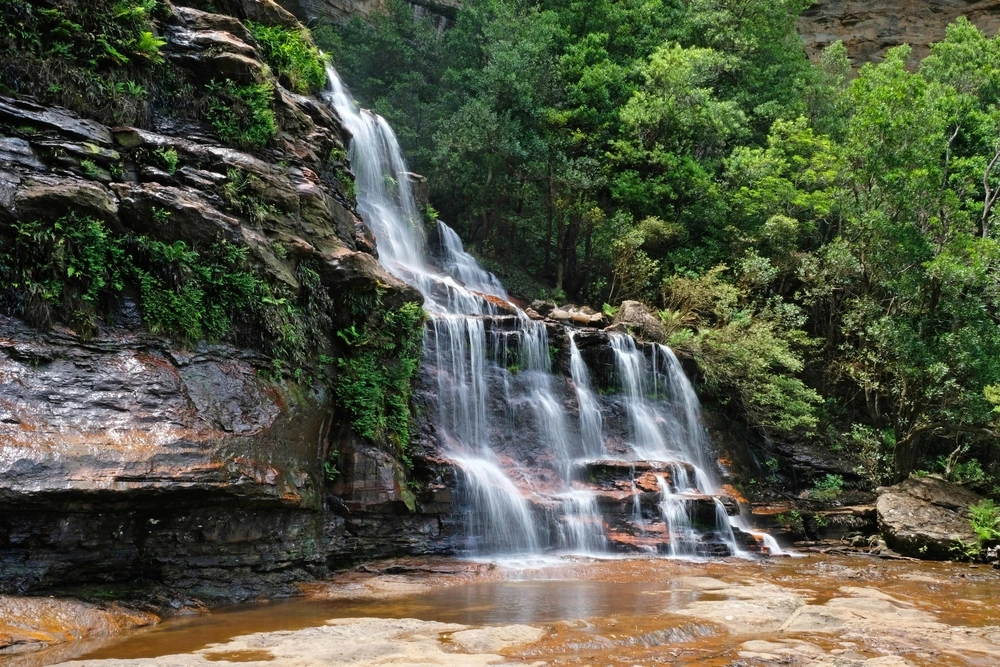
[[533, 445]]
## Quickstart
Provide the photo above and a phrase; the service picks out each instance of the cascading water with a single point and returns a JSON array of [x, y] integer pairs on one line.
[[591, 422], [674, 509], [582, 529], [493, 368], [501, 519]]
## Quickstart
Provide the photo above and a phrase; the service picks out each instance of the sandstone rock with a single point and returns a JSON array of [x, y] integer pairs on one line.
[[268, 12], [60, 121], [421, 190], [641, 320], [27, 624], [869, 29], [18, 152], [360, 642], [117, 419], [199, 21], [46, 197], [543, 308], [926, 518]]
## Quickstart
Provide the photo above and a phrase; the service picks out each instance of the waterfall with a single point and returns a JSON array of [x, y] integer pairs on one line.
[[500, 517], [502, 413], [582, 527], [674, 509], [463, 266], [648, 439], [591, 422]]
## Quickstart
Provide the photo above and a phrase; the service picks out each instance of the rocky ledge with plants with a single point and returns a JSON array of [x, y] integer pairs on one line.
[[205, 375]]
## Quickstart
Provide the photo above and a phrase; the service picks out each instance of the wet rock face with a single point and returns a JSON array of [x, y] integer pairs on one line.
[[868, 29], [926, 518], [126, 455], [125, 418], [341, 11]]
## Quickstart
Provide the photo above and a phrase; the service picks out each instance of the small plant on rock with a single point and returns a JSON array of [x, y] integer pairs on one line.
[[985, 520], [90, 168], [292, 56], [168, 159], [828, 488], [242, 193], [241, 115]]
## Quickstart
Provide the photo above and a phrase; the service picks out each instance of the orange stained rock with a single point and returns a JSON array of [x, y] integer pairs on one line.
[[38, 622], [732, 491]]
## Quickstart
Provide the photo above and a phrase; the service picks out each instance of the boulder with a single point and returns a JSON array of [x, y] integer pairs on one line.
[[926, 518], [53, 119], [543, 308], [641, 321], [48, 196]]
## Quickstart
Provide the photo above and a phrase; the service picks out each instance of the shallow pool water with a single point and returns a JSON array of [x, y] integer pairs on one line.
[[642, 611]]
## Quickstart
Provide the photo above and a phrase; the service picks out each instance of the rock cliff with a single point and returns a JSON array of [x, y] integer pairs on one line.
[[139, 217], [869, 29], [341, 11]]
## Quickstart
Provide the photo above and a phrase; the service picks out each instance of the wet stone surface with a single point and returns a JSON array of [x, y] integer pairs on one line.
[[816, 611]]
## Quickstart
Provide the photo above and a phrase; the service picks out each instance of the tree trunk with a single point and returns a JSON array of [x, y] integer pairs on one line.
[[548, 227]]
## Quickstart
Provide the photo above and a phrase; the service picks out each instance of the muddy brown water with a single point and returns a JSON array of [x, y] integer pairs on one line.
[[618, 612]]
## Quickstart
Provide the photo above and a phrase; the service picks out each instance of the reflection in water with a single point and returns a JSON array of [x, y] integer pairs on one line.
[[616, 610]]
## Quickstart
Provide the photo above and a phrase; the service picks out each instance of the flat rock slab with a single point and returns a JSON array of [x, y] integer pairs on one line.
[[359, 642], [28, 624]]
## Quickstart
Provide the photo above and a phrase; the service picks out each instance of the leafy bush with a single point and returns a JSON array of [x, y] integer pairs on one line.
[[90, 57], [63, 269], [292, 56], [985, 520], [828, 488], [752, 351], [241, 115], [75, 269], [374, 377], [168, 158], [195, 295]]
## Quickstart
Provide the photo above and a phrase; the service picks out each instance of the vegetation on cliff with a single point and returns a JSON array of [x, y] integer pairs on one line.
[[823, 244], [180, 212]]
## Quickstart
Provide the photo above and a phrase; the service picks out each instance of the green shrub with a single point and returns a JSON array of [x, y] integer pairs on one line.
[[985, 520], [292, 56], [168, 158], [63, 268], [241, 115], [195, 295], [828, 488], [90, 57], [74, 269], [374, 377]]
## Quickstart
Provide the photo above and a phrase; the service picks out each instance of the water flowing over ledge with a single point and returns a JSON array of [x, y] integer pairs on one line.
[[548, 462]]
